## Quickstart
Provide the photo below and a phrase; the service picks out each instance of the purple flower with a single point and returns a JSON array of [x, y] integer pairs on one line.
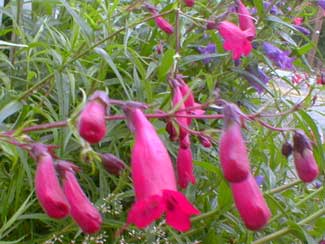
[[321, 3], [209, 49], [274, 9], [259, 179], [279, 57], [256, 74], [303, 30], [318, 184]]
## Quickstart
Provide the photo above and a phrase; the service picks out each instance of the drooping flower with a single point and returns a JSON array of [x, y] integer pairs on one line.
[[189, 3], [250, 203], [83, 212], [279, 57], [286, 149], [92, 124], [164, 25], [47, 186], [303, 156], [184, 165], [154, 179], [235, 39], [232, 149], [254, 74], [112, 164], [209, 49], [246, 22]]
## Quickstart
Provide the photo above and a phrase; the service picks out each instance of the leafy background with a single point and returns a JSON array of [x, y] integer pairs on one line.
[[60, 51]]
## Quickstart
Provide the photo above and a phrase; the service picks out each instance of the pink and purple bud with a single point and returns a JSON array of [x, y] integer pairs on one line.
[[303, 156], [47, 186], [171, 130], [286, 149], [83, 212], [232, 149], [154, 179], [250, 203], [112, 164], [92, 124], [205, 141], [164, 25]]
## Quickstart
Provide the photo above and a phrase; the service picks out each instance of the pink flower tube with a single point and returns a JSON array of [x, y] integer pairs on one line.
[[84, 213], [232, 149], [47, 186], [154, 180], [250, 203], [189, 3]]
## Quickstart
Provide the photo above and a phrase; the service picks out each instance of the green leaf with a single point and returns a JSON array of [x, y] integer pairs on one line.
[[10, 109], [166, 64]]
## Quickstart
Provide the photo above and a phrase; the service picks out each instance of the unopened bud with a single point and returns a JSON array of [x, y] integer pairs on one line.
[[112, 164], [286, 149], [205, 141], [172, 131]]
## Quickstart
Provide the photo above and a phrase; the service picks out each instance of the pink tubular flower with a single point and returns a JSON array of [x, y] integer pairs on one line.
[[303, 156], [232, 149], [164, 25], [92, 124], [184, 164], [250, 203], [189, 3], [47, 186], [84, 213], [246, 21], [153, 179], [235, 39]]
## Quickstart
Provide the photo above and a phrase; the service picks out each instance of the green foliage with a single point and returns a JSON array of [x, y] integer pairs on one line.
[[63, 50]]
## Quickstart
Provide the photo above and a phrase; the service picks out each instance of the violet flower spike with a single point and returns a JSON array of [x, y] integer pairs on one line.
[[209, 49], [279, 57]]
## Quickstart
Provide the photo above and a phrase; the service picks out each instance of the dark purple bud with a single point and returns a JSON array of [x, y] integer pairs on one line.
[[212, 25], [172, 131], [303, 30], [279, 57], [286, 149], [112, 164]]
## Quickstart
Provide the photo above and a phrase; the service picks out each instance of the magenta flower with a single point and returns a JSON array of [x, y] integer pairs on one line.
[[47, 186], [154, 180], [92, 124], [232, 149], [184, 165], [189, 3], [303, 156], [246, 22], [83, 212], [279, 57], [250, 203], [235, 39]]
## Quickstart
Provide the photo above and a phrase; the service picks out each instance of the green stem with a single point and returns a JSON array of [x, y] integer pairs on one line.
[[284, 187], [286, 230]]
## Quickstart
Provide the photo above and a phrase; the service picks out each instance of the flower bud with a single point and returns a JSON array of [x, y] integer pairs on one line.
[[286, 149], [92, 124], [171, 130], [211, 25], [164, 25], [112, 164], [232, 149], [184, 164], [303, 156], [47, 186], [84, 213]]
